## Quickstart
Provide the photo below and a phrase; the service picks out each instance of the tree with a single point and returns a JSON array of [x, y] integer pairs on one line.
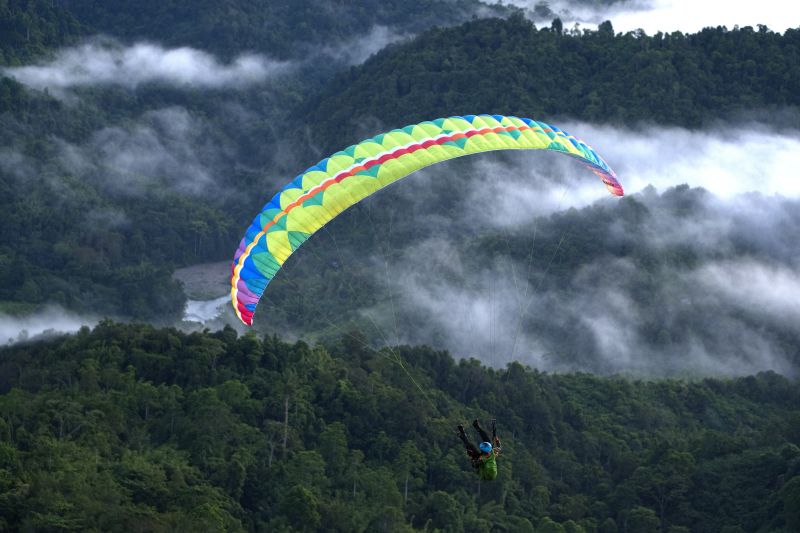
[[301, 507], [641, 520], [443, 512], [666, 483], [410, 466], [547, 525], [790, 495], [333, 447]]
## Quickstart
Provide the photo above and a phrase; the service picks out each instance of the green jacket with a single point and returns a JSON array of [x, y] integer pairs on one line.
[[486, 465]]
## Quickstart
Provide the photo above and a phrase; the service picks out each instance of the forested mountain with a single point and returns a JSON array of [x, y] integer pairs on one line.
[[140, 137], [645, 267], [31, 28], [133, 428], [220, 152], [127, 216], [511, 67], [282, 28]]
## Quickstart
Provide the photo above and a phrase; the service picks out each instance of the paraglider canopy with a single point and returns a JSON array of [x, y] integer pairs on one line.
[[337, 182]]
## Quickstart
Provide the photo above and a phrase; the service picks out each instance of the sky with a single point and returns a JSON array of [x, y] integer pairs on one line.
[[674, 15]]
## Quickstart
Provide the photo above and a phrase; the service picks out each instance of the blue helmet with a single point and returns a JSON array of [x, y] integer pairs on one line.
[[485, 447]]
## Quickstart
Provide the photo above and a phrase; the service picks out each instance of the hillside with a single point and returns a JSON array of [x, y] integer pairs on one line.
[[130, 427], [512, 67], [146, 178], [284, 29]]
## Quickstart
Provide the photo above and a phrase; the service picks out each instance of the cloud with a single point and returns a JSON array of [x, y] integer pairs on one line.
[[678, 280], [203, 311], [357, 50], [753, 286], [666, 15], [166, 147], [507, 190], [50, 321], [731, 317], [512, 189], [677, 322], [16, 164], [106, 62], [727, 161], [438, 298]]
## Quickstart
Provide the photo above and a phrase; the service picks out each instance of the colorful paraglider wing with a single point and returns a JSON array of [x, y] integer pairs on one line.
[[323, 191]]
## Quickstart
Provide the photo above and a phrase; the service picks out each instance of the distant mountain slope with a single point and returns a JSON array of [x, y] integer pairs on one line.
[[283, 28], [128, 154], [677, 283], [113, 166], [30, 28], [511, 67]]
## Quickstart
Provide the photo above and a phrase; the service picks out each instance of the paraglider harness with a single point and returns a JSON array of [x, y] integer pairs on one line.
[[481, 460]]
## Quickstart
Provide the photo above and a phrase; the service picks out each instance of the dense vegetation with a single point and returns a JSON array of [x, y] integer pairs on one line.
[[80, 238], [31, 28], [280, 28], [131, 428], [285, 28], [114, 252], [116, 245], [134, 428], [643, 247], [511, 67]]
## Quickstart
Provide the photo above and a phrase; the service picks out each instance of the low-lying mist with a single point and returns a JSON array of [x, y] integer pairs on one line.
[[523, 256], [52, 320], [104, 61], [505, 256]]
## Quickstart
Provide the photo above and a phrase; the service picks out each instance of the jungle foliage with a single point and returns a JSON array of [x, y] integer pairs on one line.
[[129, 427], [511, 67], [114, 252]]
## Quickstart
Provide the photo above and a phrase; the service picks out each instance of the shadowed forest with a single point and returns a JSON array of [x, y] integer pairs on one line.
[[132, 428], [649, 376]]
